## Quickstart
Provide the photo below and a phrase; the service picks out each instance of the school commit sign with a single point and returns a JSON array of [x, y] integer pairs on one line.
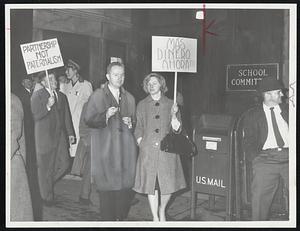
[[245, 77], [41, 55]]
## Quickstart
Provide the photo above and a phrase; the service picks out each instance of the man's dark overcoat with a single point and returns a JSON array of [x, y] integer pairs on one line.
[[52, 129], [25, 96], [256, 129], [113, 146]]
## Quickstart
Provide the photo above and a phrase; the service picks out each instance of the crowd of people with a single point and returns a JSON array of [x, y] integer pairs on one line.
[[115, 143]]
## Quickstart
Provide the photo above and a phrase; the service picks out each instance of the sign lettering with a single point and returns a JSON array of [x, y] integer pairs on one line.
[[41, 55], [245, 77], [174, 54], [210, 181]]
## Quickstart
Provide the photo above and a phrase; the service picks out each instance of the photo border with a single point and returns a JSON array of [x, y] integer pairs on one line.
[[188, 224]]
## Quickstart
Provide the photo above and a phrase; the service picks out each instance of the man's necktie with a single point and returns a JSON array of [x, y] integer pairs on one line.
[[55, 98], [278, 137]]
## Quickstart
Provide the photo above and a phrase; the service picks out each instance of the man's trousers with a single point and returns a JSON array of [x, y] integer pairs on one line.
[[46, 165], [264, 185], [114, 205]]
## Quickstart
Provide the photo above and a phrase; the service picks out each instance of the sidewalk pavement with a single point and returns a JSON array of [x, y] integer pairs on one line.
[[67, 207]]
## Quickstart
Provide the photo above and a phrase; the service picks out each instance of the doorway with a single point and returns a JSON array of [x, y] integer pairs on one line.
[[73, 46]]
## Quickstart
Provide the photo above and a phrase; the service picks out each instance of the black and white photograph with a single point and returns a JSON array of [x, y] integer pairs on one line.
[[150, 115]]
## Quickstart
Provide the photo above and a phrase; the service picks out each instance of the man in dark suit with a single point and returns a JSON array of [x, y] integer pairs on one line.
[[53, 133], [267, 146], [24, 95]]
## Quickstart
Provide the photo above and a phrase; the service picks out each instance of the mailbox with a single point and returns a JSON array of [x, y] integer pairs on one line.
[[212, 168]]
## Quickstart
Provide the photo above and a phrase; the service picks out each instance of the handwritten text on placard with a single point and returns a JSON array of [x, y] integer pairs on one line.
[[41, 55], [174, 54]]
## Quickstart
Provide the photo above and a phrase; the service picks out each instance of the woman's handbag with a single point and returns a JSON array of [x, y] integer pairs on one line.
[[178, 143]]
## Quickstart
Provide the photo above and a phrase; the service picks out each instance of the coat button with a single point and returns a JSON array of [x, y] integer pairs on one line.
[[156, 144], [156, 130], [157, 117], [157, 104]]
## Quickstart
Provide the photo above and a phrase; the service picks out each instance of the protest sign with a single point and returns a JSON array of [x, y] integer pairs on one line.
[[174, 54], [41, 55]]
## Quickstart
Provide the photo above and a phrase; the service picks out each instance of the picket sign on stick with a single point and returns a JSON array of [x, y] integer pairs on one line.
[[174, 54], [175, 88], [42, 56], [47, 76]]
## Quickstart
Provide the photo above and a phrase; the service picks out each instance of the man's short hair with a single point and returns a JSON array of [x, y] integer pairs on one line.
[[161, 80], [114, 64], [41, 75]]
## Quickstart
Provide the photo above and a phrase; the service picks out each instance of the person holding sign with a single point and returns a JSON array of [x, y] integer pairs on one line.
[[158, 173], [267, 147], [78, 92], [53, 133]]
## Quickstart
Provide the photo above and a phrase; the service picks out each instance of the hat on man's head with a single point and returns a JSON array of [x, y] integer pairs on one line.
[[269, 84], [73, 64]]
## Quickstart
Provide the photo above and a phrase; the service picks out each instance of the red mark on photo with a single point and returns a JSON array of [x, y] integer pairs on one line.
[[205, 30]]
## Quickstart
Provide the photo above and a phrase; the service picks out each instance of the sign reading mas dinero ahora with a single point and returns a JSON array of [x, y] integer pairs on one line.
[[245, 77], [174, 54]]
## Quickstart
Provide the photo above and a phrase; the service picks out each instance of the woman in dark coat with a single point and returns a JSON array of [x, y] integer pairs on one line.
[[157, 172]]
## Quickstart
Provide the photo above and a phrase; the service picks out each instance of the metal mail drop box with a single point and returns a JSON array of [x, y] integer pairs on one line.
[[212, 167]]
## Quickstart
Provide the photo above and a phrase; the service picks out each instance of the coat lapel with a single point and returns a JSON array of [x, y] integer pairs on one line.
[[284, 113], [59, 100], [112, 101], [263, 124]]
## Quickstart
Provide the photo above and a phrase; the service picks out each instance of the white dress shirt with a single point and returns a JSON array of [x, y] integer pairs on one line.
[[115, 92], [282, 126], [28, 90]]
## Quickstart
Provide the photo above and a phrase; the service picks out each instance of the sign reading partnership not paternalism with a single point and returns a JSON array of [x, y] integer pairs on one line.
[[174, 54], [41, 55]]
